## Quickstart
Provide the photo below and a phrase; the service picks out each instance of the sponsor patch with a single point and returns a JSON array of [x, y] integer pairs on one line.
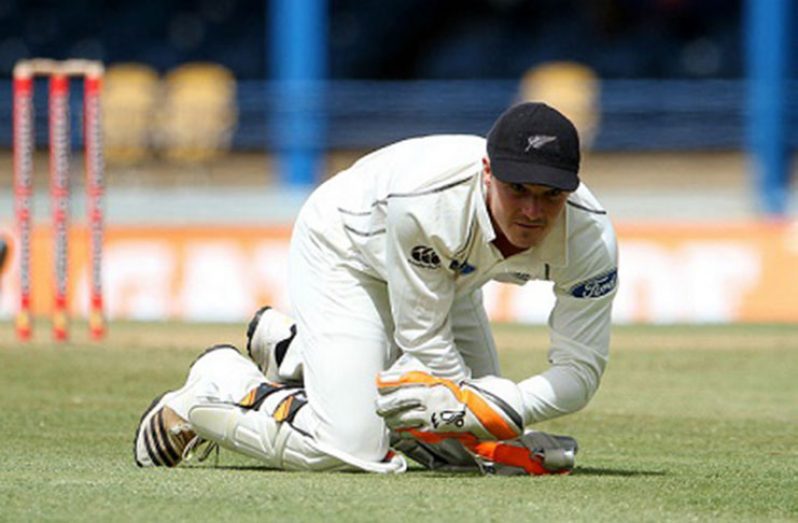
[[426, 257], [463, 267], [596, 287]]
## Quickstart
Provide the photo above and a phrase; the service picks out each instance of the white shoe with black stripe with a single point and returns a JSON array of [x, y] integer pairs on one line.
[[163, 438]]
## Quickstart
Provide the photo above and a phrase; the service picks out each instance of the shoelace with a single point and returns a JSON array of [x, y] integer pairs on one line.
[[201, 449], [197, 447]]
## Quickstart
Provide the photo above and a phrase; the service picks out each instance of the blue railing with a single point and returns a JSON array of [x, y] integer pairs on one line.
[[635, 114]]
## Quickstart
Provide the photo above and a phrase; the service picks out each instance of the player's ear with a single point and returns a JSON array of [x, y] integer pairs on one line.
[[486, 172]]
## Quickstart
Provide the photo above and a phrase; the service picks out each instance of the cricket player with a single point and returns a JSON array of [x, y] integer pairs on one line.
[[388, 346], [3, 257], [3, 253]]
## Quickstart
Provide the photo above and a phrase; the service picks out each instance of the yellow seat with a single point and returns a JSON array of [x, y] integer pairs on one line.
[[571, 88], [199, 112], [129, 100]]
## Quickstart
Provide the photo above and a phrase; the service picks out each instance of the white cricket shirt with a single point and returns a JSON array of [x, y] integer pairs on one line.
[[413, 214]]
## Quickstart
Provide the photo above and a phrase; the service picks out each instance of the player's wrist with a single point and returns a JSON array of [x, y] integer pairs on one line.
[[504, 395]]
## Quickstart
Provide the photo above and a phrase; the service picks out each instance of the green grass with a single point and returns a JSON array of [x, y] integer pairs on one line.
[[691, 423]]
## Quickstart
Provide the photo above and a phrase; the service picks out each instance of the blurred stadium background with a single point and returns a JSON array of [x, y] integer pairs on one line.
[[221, 115]]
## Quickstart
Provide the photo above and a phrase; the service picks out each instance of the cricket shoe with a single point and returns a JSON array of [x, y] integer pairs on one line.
[[163, 438], [269, 334]]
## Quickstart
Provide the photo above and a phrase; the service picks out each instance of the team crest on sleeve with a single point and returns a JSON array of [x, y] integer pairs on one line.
[[424, 257], [596, 287]]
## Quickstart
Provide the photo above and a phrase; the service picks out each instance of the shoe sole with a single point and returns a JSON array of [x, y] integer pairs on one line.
[[253, 324]]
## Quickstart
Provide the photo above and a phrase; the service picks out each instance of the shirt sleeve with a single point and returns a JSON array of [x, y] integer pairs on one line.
[[580, 337], [578, 356], [421, 291]]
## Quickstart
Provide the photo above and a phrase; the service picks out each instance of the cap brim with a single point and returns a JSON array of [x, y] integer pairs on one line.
[[510, 171]]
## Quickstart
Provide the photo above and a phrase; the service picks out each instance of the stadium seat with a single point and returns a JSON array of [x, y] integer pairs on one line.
[[130, 96], [199, 112], [572, 88]]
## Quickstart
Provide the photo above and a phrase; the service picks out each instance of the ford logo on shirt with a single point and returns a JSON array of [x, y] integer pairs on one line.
[[596, 287]]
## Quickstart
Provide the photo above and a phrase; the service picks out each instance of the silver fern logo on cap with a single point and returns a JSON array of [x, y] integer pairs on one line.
[[538, 141]]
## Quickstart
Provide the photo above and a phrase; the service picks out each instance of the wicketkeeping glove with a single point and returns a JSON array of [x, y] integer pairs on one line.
[[488, 408], [483, 415], [535, 453]]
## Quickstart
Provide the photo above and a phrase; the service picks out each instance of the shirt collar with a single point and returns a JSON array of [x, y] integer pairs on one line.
[[483, 218], [554, 248]]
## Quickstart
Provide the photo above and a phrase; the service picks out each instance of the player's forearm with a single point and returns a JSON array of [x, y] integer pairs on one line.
[[561, 390]]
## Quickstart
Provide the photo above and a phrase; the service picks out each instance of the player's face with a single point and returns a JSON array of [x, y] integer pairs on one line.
[[522, 214]]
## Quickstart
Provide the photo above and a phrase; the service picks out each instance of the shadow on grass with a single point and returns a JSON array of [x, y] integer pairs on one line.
[[579, 471], [259, 469], [241, 468], [595, 471], [415, 471]]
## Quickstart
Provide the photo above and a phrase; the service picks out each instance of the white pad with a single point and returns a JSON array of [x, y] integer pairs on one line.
[[278, 445], [250, 432]]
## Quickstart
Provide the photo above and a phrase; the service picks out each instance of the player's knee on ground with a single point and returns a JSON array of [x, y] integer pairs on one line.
[[364, 437]]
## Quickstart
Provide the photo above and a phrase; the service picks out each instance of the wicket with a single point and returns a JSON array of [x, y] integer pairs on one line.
[[59, 74]]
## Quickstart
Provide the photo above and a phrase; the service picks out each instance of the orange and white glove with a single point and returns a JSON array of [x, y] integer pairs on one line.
[[483, 414], [488, 408]]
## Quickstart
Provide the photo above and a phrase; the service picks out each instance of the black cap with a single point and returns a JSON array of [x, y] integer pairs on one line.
[[534, 143]]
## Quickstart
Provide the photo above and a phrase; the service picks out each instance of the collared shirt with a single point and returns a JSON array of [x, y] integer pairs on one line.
[[414, 215]]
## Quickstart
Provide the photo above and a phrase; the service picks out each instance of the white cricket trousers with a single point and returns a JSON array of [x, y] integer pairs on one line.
[[224, 375], [345, 333]]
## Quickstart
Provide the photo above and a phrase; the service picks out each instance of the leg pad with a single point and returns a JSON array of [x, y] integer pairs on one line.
[[250, 432]]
